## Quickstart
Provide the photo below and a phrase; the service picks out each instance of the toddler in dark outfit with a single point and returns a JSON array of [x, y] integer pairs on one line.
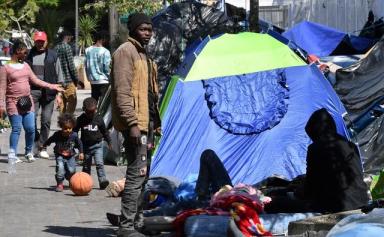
[[66, 140]]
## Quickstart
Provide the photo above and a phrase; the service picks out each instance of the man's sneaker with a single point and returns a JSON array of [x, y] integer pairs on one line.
[[44, 155], [113, 219], [103, 184], [59, 188], [29, 157]]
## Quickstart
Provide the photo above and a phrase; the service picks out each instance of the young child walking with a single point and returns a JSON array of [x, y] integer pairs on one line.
[[93, 130], [66, 140]]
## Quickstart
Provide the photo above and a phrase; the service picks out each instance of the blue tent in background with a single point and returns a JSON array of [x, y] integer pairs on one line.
[[247, 97], [324, 41]]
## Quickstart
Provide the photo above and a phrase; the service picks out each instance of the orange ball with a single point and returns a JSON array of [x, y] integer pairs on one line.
[[81, 183]]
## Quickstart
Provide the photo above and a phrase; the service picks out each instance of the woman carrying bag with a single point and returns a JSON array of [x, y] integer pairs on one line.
[[15, 96]]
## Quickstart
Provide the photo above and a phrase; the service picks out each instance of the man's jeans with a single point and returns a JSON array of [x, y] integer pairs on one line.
[[95, 151], [46, 114], [27, 121], [136, 174], [69, 99], [65, 168]]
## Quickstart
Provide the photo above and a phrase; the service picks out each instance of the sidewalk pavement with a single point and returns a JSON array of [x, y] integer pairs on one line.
[[29, 206]]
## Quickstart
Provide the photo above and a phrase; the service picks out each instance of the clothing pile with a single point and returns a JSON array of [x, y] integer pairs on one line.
[[242, 202]]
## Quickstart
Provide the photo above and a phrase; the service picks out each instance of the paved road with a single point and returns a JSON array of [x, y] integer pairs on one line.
[[30, 207]]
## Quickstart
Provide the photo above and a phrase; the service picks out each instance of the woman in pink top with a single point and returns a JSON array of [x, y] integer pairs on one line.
[[15, 79]]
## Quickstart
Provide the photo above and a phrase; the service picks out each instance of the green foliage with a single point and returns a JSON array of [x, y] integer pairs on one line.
[[20, 12], [87, 25], [127, 6]]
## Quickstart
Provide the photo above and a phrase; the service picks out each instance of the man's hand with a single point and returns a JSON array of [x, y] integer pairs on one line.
[[134, 134], [59, 100], [110, 146], [79, 84], [134, 131], [81, 156]]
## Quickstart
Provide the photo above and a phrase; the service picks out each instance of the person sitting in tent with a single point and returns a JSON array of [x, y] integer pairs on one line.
[[334, 177]]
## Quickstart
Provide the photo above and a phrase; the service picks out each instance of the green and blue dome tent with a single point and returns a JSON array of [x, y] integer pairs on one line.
[[248, 97]]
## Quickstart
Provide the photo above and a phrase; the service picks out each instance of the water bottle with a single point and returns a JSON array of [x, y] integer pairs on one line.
[[12, 163]]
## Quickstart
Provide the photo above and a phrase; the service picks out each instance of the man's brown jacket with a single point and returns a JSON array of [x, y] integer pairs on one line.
[[129, 84]]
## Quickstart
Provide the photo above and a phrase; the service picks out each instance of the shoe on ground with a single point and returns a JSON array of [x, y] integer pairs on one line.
[[29, 157], [12, 155], [17, 160], [104, 184], [113, 219], [44, 155], [59, 188]]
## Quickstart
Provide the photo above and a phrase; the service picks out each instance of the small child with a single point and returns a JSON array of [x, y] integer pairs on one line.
[[93, 131], [65, 141]]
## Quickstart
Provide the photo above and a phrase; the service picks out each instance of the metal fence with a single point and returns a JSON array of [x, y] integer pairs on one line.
[[346, 15], [278, 15]]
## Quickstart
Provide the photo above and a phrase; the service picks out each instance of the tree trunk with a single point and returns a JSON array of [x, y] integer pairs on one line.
[[254, 16], [113, 24]]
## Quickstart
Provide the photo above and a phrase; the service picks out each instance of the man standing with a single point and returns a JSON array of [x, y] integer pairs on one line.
[[97, 65], [69, 74], [43, 62], [135, 114]]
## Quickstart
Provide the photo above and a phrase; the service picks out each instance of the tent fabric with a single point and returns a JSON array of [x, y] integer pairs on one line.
[[188, 130], [258, 103], [324, 41], [231, 54]]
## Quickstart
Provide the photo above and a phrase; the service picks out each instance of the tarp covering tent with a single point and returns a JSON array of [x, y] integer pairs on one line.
[[361, 89], [176, 27], [226, 84], [360, 84], [324, 41]]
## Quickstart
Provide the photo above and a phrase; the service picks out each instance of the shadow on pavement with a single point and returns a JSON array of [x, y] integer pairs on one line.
[[50, 188], [80, 231]]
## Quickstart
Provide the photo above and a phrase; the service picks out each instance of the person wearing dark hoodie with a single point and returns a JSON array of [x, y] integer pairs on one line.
[[334, 177]]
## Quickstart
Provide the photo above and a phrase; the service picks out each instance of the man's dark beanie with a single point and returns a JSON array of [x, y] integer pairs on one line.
[[136, 19]]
